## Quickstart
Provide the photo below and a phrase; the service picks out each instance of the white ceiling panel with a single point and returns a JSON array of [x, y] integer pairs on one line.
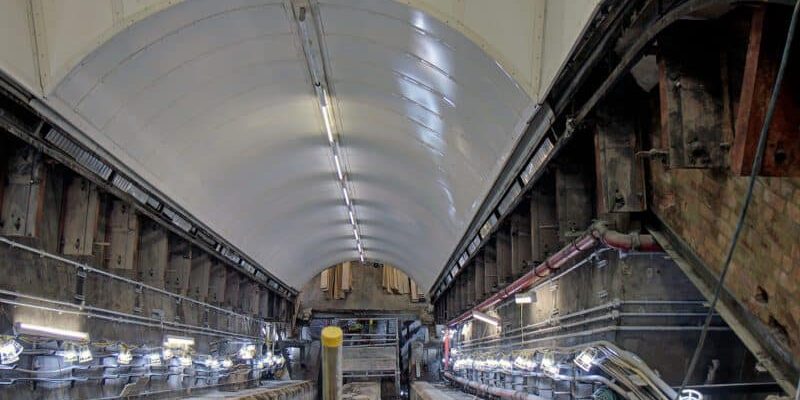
[[214, 100]]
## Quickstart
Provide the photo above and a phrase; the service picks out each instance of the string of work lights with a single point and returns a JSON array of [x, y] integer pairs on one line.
[[313, 52]]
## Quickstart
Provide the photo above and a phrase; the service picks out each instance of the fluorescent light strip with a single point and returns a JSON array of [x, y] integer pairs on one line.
[[355, 232], [485, 318], [338, 167], [346, 197], [352, 217], [46, 331], [327, 120]]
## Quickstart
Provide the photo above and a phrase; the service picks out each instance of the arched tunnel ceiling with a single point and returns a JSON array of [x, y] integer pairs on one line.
[[212, 102]]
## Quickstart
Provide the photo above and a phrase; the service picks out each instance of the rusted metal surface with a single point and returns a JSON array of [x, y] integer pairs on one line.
[[690, 88], [782, 155], [620, 174]]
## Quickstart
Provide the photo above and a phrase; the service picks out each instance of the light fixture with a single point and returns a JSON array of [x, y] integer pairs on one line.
[[46, 331], [247, 352], [524, 363], [338, 167], [525, 298], [309, 31], [586, 358], [68, 354], [124, 357], [227, 363], [85, 355], [185, 360], [549, 363], [505, 365], [178, 342], [211, 363], [154, 359], [346, 196], [486, 318], [10, 350], [327, 121]]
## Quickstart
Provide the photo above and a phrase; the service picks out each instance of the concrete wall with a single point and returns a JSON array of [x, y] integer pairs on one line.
[[367, 294], [634, 302]]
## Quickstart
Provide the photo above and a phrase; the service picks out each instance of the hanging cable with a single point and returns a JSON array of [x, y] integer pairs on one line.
[[759, 157]]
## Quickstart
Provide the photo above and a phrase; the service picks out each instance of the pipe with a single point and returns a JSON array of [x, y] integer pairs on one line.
[[493, 390], [597, 233]]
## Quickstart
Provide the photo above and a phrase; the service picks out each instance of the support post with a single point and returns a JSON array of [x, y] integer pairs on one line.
[[332, 338]]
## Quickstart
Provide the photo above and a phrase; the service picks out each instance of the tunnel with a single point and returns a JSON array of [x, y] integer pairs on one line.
[[399, 199]]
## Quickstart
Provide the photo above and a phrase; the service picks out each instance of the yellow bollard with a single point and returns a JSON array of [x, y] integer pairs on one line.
[[332, 363]]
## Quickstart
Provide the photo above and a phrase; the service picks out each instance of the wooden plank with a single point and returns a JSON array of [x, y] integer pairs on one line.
[[544, 221], [179, 265], [81, 213], [347, 276], [153, 254], [323, 280], [50, 229], [490, 268], [620, 174], [152, 267], [200, 275], [469, 283], [520, 243], [338, 292], [573, 200], [232, 286], [764, 51], [123, 237], [217, 284], [480, 287], [263, 306], [22, 208], [690, 87], [503, 258]]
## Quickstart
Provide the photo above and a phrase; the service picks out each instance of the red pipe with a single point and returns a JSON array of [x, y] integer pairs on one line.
[[597, 233]]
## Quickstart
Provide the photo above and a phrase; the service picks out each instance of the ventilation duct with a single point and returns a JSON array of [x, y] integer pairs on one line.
[[80, 155]]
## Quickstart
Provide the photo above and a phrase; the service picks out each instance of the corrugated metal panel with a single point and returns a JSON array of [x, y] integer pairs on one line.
[[80, 155]]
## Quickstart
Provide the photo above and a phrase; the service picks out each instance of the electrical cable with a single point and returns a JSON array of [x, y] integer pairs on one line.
[[759, 157]]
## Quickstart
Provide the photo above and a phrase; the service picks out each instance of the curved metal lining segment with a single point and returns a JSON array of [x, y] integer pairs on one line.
[[213, 100]]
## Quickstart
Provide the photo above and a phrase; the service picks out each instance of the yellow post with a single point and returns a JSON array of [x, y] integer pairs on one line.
[[332, 337]]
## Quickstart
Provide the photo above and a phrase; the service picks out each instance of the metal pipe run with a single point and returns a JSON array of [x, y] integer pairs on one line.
[[597, 233], [492, 390], [87, 268]]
